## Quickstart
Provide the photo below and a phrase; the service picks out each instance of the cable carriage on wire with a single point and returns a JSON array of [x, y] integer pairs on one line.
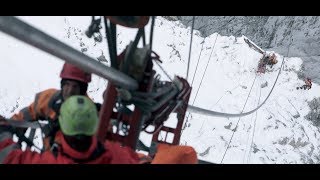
[[153, 101]]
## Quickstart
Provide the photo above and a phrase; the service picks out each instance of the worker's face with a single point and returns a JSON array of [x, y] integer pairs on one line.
[[70, 88]]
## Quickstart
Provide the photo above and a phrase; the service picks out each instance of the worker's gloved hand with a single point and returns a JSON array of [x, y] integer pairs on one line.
[[51, 128], [98, 106], [4, 125], [3, 121], [4, 128]]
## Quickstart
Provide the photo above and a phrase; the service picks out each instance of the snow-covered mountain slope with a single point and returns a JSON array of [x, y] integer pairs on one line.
[[281, 132], [301, 33]]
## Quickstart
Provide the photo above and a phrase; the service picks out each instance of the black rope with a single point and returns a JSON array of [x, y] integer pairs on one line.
[[151, 31], [254, 128], [202, 75], [113, 56], [259, 101], [244, 155], [264, 100], [214, 113], [234, 130], [251, 122], [190, 47], [143, 38], [113, 30], [163, 71], [204, 70], [195, 75], [195, 71]]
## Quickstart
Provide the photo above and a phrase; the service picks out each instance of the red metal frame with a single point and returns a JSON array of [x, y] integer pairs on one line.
[[109, 99], [181, 111], [134, 120]]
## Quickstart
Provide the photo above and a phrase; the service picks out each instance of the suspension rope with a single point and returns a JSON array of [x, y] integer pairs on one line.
[[220, 114], [151, 31], [247, 148], [195, 71], [254, 125], [202, 74], [254, 128], [190, 47], [193, 109], [204, 70], [234, 130], [251, 122], [111, 45], [225, 94], [164, 71]]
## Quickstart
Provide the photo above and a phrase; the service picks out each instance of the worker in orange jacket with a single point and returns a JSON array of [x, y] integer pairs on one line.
[[272, 60], [46, 105], [74, 81], [79, 123], [308, 83]]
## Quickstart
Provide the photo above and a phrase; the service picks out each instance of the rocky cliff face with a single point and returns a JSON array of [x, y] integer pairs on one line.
[[277, 33]]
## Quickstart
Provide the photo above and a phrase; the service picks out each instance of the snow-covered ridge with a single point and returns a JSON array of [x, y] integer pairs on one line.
[[301, 33]]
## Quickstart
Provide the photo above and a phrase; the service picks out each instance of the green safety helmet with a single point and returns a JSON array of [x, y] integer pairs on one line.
[[78, 116]]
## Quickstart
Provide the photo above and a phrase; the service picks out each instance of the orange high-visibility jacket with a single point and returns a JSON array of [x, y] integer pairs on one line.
[[107, 153], [171, 154], [45, 107], [175, 154]]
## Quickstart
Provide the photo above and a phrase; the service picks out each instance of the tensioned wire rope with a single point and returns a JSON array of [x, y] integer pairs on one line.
[[251, 121], [254, 128], [260, 104], [202, 74], [220, 114], [198, 110], [249, 155], [207, 112], [213, 113], [234, 130], [190, 47]]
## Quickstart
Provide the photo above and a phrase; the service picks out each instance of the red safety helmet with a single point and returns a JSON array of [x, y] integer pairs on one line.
[[72, 72]]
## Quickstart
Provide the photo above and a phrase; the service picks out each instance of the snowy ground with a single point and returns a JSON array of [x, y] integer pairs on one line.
[[281, 134]]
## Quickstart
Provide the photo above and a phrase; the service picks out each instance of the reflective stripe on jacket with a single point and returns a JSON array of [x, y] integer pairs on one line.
[[42, 107]]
